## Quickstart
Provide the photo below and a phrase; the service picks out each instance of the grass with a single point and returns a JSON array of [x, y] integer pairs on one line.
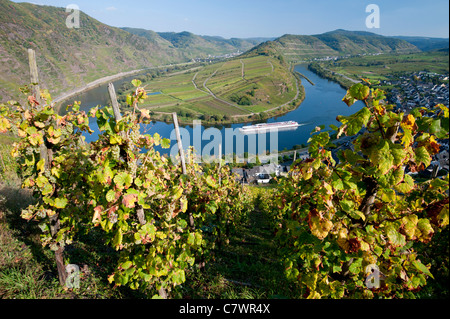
[[248, 268]]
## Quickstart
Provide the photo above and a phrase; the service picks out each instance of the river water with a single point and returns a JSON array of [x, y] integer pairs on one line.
[[323, 103]]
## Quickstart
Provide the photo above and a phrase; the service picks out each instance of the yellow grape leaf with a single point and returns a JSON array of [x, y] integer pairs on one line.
[[145, 114], [41, 166], [364, 246], [408, 122], [425, 230], [409, 226], [4, 125], [320, 227]]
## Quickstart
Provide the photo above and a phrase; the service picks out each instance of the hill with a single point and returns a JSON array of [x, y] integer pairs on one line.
[[68, 58], [426, 43], [235, 90], [71, 58], [195, 46], [335, 43]]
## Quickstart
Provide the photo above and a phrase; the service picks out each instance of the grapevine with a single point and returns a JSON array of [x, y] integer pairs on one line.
[[346, 221]]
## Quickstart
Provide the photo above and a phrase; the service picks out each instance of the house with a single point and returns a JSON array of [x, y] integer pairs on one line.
[[240, 174], [263, 179], [270, 169], [443, 160]]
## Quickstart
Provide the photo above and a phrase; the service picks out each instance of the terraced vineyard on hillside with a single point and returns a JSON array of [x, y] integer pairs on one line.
[[226, 91]]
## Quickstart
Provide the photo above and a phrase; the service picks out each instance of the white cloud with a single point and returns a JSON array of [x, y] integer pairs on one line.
[[111, 9]]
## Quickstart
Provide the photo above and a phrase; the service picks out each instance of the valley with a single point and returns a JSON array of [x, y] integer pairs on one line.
[[70, 59]]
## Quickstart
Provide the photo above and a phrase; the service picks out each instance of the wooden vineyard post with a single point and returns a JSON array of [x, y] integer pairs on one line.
[[220, 164], [47, 155], [34, 76], [183, 160], [180, 144], [115, 104], [118, 116], [139, 209]]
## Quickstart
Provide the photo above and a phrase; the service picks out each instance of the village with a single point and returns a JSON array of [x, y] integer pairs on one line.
[[267, 174], [421, 89]]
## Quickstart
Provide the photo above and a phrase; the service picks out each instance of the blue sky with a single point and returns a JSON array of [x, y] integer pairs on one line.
[[264, 18]]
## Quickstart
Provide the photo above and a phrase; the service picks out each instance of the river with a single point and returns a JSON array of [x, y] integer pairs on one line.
[[323, 103]]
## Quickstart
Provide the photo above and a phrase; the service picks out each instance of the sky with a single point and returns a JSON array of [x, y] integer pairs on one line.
[[268, 18]]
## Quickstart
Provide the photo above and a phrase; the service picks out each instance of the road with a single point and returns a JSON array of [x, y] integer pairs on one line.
[[93, 84], [107, 79]]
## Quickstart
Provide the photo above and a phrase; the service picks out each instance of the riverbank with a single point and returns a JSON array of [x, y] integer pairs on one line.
[[344, 81], [306, 78], [102, 81], [64, 97]]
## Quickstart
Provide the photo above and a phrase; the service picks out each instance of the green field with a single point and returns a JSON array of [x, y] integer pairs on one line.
[[378, 67], [235, 90]]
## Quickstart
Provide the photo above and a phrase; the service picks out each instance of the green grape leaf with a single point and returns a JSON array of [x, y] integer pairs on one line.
[[111, 196], [123, 180], [118, 238], [395, 238], [407, 186], [359, 91], [422, 156], [437, 129], [61, 203], [165, 143], [354, 123], [355, 268], [211, 182], [105, 175], [136, 83], [47, 190], [126, 265], [422, 268], [41, 181]]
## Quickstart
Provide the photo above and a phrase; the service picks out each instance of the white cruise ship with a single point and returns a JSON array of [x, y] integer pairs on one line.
[[265, 127]]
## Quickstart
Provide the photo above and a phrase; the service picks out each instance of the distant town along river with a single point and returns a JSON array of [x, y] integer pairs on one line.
[[323, 103]]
